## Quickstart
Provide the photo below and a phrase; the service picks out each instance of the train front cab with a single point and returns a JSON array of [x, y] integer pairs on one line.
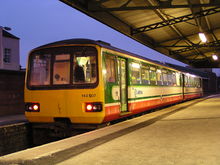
[[52, 93]]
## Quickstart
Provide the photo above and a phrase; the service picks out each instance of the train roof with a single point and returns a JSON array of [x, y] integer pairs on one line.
[[100, 43], [108, 46], [194, 71]]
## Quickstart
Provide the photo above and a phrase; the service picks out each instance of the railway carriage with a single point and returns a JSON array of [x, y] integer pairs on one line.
[[90, 82]]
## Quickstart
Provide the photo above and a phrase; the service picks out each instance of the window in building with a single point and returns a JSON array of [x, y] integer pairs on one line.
[[135, 73], [7, 55], [110, 68]]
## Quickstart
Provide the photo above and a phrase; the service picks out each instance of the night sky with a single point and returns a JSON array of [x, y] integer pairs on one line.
[[38, 22]]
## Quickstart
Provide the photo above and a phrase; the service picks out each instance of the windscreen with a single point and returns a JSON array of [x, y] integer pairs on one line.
[[63, 66]]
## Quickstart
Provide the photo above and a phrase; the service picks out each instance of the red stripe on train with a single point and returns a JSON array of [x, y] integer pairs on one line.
[[113, 112]]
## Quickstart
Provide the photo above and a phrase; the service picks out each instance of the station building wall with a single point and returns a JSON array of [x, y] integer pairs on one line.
[[11, 92]]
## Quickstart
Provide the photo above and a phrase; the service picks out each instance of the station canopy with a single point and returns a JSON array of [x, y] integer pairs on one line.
[[170, 27]]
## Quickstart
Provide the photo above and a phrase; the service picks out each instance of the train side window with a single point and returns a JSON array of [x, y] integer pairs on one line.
[[145, 75], [135, 73], [40, 70], [170, 78], [190, 81], [159, 77], [110, 63], [186, 81], [164, 76], [61, 69], [174, 79], [153, 75]]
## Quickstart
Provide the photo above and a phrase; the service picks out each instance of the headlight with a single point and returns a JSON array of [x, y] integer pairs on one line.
[[32, 107], [93, 107]]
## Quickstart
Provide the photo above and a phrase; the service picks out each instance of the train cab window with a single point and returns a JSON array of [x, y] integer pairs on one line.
[[110, 64], [135, 73], [145, 75], [153, 77], [159, 77], [61, 69], [84, 69], [40, 70]]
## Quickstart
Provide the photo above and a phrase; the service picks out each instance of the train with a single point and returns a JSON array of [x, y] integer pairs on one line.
[[86, 82]]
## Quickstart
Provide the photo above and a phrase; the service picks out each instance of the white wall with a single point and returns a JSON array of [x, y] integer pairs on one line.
[[13, 44]]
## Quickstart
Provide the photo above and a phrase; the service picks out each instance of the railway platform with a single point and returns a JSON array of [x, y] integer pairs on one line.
[[12, 119], [183, 134]]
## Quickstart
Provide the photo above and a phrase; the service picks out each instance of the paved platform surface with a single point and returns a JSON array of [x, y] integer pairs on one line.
[[184, 134]]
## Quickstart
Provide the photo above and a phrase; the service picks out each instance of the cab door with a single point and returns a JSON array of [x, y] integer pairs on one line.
[[122, 76]]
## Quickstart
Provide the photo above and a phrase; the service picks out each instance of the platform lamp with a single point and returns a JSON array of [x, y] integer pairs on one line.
[[202, 37], [214, 57]]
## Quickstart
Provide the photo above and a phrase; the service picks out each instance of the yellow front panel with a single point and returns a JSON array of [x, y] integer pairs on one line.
[[67, 103]]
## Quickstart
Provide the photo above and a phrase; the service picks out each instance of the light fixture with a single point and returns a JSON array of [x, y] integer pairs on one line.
[[202, 37], [214, 57], [136, 65]]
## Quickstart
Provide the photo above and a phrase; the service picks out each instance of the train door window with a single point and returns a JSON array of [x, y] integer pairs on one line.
[[61, 69], [40, 70], [178, 79], [135, 73], [110, 64], [164, 76], [145, 75], [159, 77], [153, 75]]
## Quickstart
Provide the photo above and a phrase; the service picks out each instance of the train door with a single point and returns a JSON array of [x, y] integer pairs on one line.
[[183, 86], [122, 75]]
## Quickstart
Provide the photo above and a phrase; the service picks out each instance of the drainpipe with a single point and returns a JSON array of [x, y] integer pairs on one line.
[[1, 47]]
